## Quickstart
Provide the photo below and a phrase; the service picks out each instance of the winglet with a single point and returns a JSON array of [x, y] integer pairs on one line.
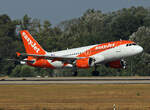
[[18, 54]]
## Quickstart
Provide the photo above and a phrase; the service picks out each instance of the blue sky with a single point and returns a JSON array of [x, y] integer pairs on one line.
[[60, 10]]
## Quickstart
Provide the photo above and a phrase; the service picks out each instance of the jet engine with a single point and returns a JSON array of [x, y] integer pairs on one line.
[[117, 64], [84, 62]]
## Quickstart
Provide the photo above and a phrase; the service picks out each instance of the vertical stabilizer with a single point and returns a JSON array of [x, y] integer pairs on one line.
[[30, 44]]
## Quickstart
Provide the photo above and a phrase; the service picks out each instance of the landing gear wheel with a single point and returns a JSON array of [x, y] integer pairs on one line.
[[75, 73], [95, 73]]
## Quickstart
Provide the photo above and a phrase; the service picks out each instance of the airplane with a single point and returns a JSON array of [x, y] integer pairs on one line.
[[111, 54]]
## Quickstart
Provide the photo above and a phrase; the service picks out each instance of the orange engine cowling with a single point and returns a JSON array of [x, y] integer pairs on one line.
[[117, 64], [84, 63]]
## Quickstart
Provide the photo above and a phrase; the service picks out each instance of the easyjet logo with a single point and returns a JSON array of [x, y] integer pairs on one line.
[[30, 42], [105, 46]]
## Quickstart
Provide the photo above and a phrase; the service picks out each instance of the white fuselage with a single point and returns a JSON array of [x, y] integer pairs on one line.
[[108, 55]]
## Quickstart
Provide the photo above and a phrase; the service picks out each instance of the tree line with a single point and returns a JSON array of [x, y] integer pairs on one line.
[[93, 27]]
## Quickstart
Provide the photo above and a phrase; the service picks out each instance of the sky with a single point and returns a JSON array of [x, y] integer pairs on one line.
[[59, 10]]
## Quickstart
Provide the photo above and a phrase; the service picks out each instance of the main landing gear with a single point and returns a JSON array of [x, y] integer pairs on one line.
[[95, 72], [75, 72]]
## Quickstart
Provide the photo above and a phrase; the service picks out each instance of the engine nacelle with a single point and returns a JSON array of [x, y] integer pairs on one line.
[[84, 62], [117, 64]]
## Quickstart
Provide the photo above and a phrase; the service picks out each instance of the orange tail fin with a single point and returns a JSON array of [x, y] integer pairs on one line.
[[30, 44]]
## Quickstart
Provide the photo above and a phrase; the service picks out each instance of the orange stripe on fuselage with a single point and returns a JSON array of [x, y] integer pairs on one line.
[[103, 47]]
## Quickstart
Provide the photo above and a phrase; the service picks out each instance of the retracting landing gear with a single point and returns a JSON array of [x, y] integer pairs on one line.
[[95, 72]]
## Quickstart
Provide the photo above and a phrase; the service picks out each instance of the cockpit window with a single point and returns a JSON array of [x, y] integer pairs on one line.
[[134, 44], [130, 44]]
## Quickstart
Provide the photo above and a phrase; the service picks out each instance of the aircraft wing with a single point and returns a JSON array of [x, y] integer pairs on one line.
[[68, 59]]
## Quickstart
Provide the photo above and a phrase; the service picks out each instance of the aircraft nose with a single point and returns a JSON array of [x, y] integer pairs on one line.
[[139, 49]]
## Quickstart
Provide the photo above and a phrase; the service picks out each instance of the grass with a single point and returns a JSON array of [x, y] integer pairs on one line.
[[75, 97]]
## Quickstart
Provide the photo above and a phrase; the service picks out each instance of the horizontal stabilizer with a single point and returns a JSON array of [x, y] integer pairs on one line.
[[18, 54]]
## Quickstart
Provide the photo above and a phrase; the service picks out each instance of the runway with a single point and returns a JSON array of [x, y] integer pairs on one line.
[[75, 80]]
